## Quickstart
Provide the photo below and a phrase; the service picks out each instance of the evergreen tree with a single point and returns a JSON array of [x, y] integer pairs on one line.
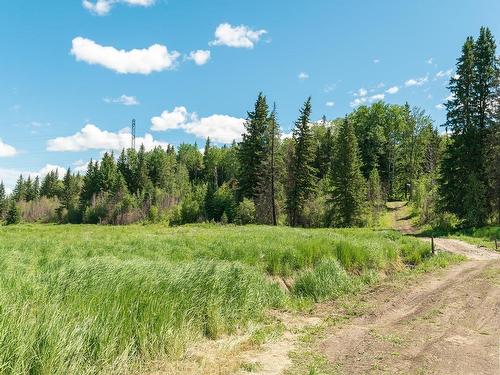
[[13, 215], [464, 184], [19, 192], [252, 150], [107, 172], [455, 166], [142, 180], [302, 174], [348, 192]]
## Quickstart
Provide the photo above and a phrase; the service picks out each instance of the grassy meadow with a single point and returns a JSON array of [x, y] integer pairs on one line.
[[99, 299]]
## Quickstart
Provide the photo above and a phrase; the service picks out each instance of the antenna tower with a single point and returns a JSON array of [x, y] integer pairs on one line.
[[133, 134]]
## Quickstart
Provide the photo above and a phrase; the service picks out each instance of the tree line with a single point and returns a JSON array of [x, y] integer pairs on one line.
[[327, 173]]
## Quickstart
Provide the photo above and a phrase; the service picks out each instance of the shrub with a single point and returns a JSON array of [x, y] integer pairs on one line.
[[13, 215], [245, 213]]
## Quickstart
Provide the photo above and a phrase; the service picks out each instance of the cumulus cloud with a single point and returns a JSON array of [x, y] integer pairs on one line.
[[236, 36], [90, 137], [392, 90], [361, 92], [220, 128], [416, 81], [170, 120], [302, 76], [200, 57], [156, 58], [123, 99], [330, 104], [103, 7], [6, 150], [362, 98]]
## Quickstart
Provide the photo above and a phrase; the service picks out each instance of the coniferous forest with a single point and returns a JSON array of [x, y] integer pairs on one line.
[[326, 173]]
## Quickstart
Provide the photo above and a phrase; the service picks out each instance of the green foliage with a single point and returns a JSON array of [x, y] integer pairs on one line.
[[13, 216], [245, 213], [301, 181], [464, 186], [348, 191]]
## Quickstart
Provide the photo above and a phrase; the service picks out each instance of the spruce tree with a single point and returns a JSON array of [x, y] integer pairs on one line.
[[301, 172], [13, 215], [19, 192], [454, 166], [252, 150], [348, 193], [464, 183]]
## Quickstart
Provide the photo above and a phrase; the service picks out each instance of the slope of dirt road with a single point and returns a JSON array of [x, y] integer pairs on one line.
[[446, 322]]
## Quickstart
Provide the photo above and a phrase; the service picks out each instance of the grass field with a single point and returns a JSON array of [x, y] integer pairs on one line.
[[98, 299]]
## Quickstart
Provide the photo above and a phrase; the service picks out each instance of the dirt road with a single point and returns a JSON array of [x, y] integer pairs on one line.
[[449, 323]]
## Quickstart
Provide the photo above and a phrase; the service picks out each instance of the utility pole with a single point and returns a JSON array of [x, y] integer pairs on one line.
[[133, 134]]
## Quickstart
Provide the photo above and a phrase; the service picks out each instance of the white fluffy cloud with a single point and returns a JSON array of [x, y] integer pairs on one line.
[[220, 128], [361, 92], [303, 75], [170, 120], [236, 36], [392, 90], [200, 57], [330, 104], [103, 7], [416, 81], [123, 99], [141, 61], [6, 150], [90, 137]]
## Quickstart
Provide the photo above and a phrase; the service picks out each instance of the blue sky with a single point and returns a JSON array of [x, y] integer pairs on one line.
[[75, 73]]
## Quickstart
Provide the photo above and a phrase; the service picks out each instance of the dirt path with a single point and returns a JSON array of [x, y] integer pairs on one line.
[[446, 323]]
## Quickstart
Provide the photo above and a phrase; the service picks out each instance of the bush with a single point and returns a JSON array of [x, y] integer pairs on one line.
[[13, 215], [245, 213]]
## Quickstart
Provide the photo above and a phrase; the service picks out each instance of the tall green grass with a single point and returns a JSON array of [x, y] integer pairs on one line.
[[94, 299]]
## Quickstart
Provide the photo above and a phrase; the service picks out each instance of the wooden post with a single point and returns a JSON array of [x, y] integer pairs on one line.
[[496, 243], [432, 245]]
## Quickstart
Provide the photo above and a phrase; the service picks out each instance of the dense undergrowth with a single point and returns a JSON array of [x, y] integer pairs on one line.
[[92, 299]]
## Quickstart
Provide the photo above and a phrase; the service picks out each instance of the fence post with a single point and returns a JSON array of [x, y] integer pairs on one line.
[[432, 244], [496, 243]]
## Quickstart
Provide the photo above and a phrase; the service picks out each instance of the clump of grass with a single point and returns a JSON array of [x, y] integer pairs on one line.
[[87, 315], [328, 280]]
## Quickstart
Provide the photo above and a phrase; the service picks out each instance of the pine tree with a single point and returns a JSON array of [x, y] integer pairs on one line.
[[13, 215], [302, 174], [464, 184], [348, 192], [454, 166], [19, 192], [252, 149]]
